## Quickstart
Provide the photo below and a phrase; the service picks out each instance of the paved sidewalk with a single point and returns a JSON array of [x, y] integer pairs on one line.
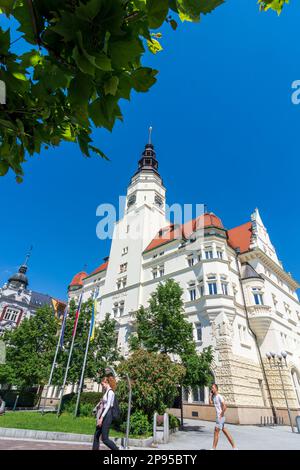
[[28, 444], [199, 435]]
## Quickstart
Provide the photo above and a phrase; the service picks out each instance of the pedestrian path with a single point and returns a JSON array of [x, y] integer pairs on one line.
[[198, 435]]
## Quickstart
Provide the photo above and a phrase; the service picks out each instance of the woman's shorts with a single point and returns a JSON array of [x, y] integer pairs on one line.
[[220, 423]]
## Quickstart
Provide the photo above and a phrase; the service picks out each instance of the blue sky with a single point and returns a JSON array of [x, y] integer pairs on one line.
[[225, 133]]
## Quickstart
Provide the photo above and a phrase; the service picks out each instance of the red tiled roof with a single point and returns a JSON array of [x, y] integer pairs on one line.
[[171, 232], [78, 278], [240, 237], [102, 267]]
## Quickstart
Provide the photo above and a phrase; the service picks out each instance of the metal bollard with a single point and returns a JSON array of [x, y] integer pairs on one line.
[[298, 423]]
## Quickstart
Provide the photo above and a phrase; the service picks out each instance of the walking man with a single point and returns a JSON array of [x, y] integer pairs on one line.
[[218, 401]]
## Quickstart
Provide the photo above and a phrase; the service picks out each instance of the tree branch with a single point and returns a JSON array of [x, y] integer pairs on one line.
[[34, 22]]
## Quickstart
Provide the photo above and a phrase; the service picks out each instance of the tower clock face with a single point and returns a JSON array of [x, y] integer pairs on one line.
[[158, 200], [131, 200]]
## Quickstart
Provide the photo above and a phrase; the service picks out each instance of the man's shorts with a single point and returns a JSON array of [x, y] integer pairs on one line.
[[220, 423]]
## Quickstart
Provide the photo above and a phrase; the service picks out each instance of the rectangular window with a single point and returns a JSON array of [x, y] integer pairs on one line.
[[123, 268], [11, 314], [220, 254], [201, 290], [208, 254], [193, 294], [224, 287], [212, 288], [125, 250], [124, 282], [258, 298], [162, 271], [191, 261], [154, 274], [198, 331]]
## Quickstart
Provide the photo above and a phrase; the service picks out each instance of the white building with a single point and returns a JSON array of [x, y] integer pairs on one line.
[[236, 292]]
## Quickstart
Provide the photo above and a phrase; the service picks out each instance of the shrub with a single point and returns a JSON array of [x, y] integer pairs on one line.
[[88, 401], [139, 424], [27, 398], [173, 421], [154, 378]]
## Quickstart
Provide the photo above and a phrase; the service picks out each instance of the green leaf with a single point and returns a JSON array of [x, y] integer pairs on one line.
[[22, 14], [154, 46], [104, 111], [7, 6], [190, 10], [125, 51], [20, 76], [111, 85], [31, 59], [276, 5], [83, 63], [98, 152], [89, 10], [80, 89], [4, 167], [103, 62], [4, 41], [143, 78], [157, 12]]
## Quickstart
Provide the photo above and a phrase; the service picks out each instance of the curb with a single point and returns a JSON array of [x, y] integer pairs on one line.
[[67, 437]]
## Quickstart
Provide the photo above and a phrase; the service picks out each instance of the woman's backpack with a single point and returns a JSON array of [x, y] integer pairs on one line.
[[115, 410]]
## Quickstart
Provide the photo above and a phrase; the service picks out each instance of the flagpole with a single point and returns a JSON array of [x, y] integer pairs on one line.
[[85, 360], [69, 358], [53, 365]]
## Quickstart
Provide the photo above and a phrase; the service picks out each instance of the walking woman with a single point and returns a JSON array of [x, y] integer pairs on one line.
[[104, 414]]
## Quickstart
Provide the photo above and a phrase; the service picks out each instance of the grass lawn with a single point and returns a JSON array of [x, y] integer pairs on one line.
[[49, 422]]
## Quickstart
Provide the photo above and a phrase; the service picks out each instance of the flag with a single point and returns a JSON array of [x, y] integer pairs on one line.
[[77, 316], [63, 326], [92, 325]]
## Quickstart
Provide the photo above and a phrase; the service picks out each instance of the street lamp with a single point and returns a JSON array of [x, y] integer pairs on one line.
[[279, 361]]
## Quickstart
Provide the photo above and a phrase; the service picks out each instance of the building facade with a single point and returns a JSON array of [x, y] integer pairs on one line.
[[237, 295], [18, 302]]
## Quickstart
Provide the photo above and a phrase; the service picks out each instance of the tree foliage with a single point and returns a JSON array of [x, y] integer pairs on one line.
[[154, 379], [30, 349], [162, 327], [80, 58], [103, 350]]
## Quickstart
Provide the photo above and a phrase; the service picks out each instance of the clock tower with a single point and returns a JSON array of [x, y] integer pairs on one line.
[[143, 217]]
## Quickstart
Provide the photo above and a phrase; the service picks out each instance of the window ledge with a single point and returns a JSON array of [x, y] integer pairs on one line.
[[293, 322]]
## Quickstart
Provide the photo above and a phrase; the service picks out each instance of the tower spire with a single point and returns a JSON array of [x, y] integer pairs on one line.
[[28, 256], [150, 135]]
